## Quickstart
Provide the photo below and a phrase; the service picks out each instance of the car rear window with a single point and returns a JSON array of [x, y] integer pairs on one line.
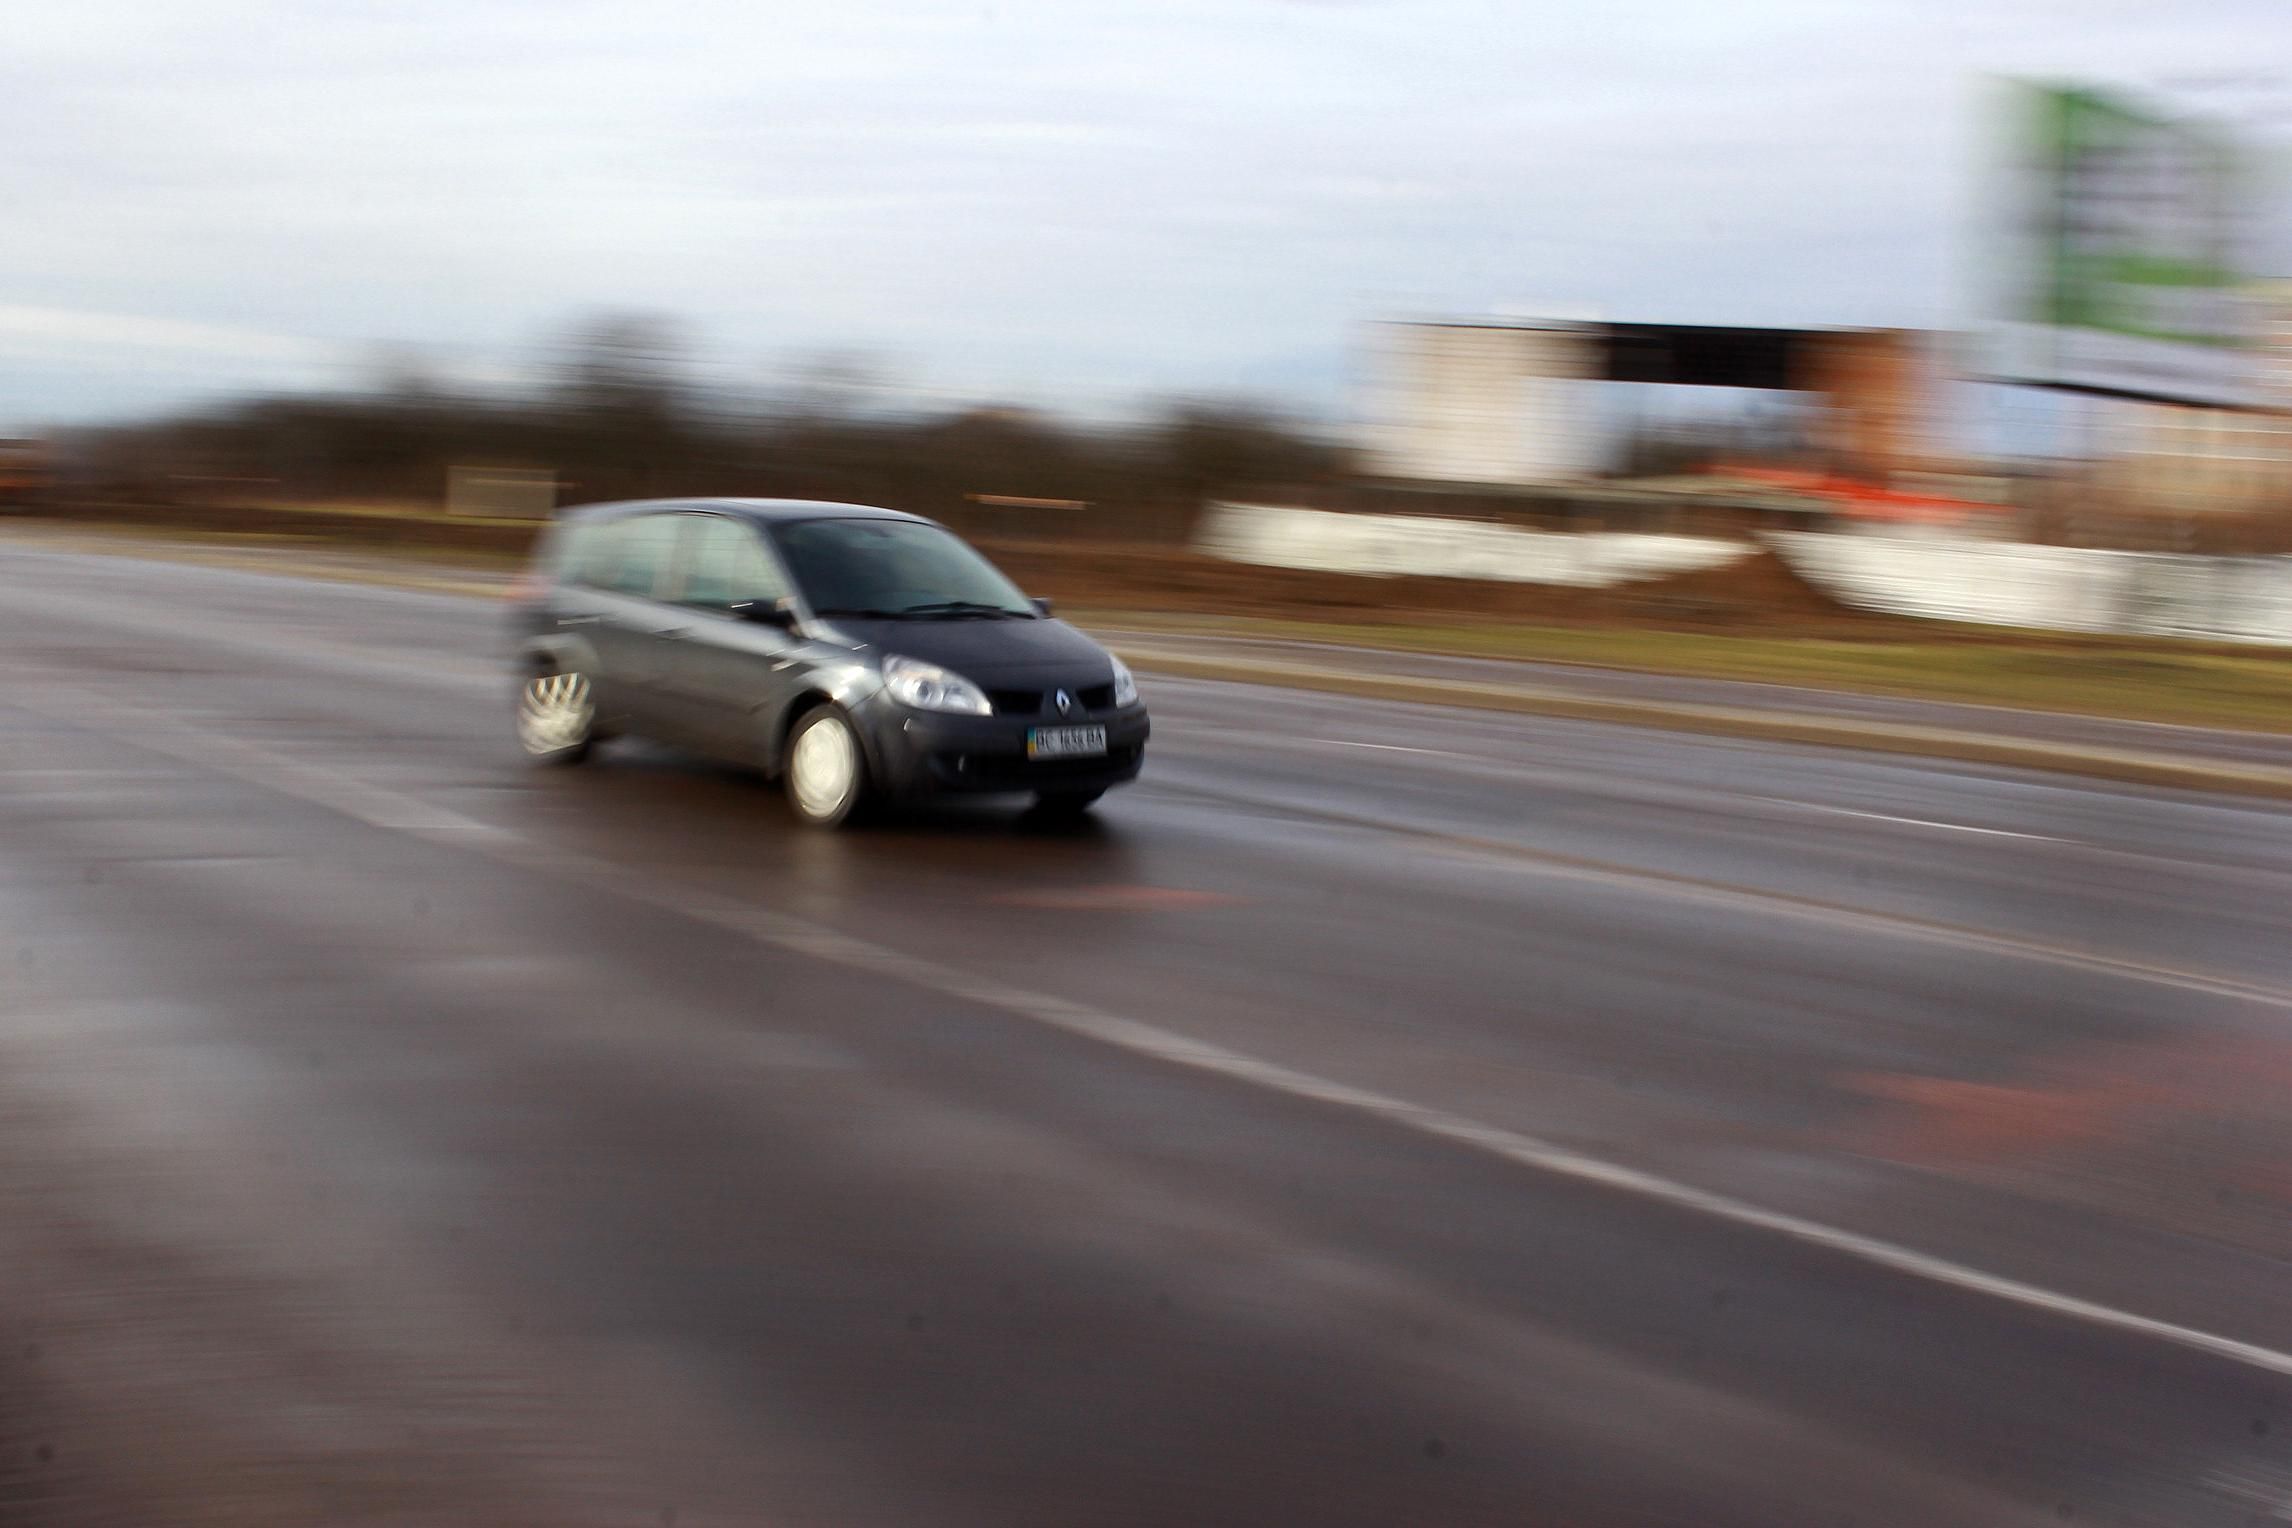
[[583, 552]]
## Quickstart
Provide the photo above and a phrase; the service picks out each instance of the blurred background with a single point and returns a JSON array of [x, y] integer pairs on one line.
[[1702, 935], [1164, 277]]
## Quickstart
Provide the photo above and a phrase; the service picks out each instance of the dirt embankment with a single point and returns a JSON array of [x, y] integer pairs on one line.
[[1758, 595]]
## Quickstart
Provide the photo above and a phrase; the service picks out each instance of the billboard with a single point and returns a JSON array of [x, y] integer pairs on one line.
[[2127, 262]]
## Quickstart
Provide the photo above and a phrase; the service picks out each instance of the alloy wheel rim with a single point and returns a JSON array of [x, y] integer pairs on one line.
[[554, 712], [824, 767]]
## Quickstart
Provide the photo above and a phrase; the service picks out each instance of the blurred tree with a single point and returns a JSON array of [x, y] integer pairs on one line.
[[836, 384], [631, 364], [619, 411], [1205, 447], [405, 377], [623, 392]]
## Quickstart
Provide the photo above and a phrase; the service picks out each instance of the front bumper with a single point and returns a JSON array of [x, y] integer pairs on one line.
[[920, 753]]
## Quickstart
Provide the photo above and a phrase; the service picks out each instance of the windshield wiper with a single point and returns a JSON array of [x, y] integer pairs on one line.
[[829, 613], [962, 607]]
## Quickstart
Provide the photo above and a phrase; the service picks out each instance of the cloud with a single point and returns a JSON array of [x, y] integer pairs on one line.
[[23, 328], [1042, 194]]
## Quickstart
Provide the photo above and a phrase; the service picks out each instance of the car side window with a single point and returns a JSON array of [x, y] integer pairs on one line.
[[726, 565], [646, 548], [584, 554]]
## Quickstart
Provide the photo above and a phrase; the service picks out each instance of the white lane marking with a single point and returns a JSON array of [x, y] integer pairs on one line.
[[1437, 753], [1910, 822], [378, 807], [1514, 857], [1712, 802], [1706, 800], [2256, 1485]]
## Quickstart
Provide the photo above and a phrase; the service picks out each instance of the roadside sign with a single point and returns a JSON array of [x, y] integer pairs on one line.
[[2126, 262]]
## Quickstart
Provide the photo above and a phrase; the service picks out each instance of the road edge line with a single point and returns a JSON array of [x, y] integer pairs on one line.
[[2125, 766]]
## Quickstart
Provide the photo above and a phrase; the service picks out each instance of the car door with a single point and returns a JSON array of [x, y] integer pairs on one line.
[[635, 625], [733, 674]]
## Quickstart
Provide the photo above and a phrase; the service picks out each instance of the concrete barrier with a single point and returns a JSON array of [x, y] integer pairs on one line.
[[1422, 545], [2049, 588]]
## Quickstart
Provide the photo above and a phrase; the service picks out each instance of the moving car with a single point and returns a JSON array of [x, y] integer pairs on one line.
[[855, 653]]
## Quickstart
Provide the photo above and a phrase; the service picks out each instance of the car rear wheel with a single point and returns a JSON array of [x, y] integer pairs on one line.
[[827, 773], [557, 717]]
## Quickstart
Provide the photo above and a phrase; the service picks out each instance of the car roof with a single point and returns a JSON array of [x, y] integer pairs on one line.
[[766, 511]]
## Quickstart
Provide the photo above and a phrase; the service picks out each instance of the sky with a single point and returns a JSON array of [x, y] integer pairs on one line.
[[1074, 204]]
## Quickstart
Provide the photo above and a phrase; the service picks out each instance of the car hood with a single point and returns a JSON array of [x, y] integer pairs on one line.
[[981, 649]]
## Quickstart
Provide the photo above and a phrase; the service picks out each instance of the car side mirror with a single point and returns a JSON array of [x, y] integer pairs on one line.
[[779, 614], [1042, 606]]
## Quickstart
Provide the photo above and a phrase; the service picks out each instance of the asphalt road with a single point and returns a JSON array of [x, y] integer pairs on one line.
[[1381, 1114], [2206, 743]]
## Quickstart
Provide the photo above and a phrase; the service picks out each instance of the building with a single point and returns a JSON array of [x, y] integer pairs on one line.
[[2169, 459], [1492, 403]]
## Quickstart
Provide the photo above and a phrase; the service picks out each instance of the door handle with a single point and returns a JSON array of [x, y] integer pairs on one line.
[[675, 633], [579, 620]]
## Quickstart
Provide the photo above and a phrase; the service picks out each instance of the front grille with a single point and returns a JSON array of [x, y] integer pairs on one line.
[[1095, 697]]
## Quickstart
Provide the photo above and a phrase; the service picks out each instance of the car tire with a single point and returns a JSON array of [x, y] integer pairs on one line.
[[1064, 806], [557, 717], [826, 769]]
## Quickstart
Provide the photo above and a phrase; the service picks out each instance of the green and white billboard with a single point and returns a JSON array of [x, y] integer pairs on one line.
[[2127, 273]]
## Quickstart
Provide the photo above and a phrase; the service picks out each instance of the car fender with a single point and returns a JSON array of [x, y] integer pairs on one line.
[[849, 686]]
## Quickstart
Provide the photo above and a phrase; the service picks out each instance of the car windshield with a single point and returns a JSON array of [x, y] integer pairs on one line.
[[901, 568]]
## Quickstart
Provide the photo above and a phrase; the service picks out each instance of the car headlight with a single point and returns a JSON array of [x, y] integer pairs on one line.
[[1125, 684], [928, 687]]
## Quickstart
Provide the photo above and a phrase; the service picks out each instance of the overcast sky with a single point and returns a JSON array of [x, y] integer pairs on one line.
[[1062, 201]]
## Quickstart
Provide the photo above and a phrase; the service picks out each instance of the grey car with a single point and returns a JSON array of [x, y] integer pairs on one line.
[[857, 654]]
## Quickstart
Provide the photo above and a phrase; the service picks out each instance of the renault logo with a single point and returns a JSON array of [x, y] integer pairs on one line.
[[1065, 703]]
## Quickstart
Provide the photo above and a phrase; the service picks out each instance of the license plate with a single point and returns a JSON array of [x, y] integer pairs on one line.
[[1065, 742]]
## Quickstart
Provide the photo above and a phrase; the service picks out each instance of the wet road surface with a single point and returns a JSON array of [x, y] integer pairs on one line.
[[2208, 743], [1380, 1114]]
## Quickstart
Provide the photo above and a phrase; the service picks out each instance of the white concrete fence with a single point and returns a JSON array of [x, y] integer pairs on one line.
[[2049, 588], [1931, 577], [1392, 545]]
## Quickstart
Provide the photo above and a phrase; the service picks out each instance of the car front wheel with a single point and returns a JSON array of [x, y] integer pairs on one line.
[[827, 772]]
